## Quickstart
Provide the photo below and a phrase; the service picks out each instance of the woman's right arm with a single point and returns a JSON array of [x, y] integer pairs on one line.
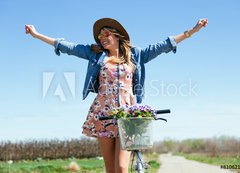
[[79, 50], [30, 29]]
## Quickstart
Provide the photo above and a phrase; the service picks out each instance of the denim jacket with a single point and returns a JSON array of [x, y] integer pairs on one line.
[[95, 61]]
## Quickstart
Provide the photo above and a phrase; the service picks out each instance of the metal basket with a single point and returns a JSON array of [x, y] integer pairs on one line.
[[135, 133]]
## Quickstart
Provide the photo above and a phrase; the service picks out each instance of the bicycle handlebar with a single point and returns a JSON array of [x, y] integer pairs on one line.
[[165, 111], [106, 118]]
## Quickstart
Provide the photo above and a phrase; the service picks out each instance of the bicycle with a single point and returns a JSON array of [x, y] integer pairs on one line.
[[139, 142]]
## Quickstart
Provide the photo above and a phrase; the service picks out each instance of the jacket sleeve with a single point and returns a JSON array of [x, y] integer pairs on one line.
[[152, 51], [79, 50]]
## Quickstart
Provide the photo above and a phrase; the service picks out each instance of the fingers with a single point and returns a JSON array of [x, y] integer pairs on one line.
[[26, 29], [29, 28], [203, 22]]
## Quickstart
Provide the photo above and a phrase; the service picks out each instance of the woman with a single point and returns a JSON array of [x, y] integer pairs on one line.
[[116, 72]]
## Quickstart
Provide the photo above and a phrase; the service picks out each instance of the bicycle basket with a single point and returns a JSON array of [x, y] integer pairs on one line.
[[135, 133]]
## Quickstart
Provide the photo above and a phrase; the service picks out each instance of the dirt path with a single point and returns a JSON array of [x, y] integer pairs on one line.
[[178, 164]]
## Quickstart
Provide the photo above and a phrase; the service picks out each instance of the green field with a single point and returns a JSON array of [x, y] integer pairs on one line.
[[152, 159], [52, 166], [220, 160], [60, 166]]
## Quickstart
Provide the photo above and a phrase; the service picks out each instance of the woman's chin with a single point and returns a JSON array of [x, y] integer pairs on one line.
[[106, 47]]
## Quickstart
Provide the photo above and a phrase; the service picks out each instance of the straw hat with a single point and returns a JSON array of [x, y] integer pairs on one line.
[[99, 24]]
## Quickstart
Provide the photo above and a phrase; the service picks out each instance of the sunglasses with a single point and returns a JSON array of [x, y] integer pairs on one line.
[[105, 34]]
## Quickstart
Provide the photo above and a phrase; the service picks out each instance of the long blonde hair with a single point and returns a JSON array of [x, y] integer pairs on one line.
[[124, 49]]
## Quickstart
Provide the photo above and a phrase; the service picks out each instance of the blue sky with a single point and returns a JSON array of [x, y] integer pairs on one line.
[[200, 83]]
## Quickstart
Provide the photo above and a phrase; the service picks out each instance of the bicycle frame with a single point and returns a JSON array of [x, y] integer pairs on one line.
[[141, 167]]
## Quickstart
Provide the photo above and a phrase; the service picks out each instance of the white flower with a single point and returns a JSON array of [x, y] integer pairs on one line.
[[128, 76], [103, 73], [99, 158], [106, 101], [73, 166], [10, 162]]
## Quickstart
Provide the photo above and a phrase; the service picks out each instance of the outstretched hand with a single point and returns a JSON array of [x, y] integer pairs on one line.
[[30, 29], [201, 23]]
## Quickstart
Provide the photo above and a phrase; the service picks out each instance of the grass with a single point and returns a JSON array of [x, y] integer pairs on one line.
[[153, 161], [59, 165], [220, 160], [52, 166]]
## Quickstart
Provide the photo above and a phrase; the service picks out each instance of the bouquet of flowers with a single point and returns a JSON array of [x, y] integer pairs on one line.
[[136, 111], [134, 126]]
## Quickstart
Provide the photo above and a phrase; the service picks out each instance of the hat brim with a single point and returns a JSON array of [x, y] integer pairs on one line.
[[99, 24]]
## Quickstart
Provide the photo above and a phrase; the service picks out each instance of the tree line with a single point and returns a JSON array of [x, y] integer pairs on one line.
[[88, 148]]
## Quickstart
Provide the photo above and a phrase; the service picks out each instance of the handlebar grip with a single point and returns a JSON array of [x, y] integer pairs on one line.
[[165, 111], [105, 118]]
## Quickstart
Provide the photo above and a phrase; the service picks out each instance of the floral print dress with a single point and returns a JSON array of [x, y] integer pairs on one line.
[[115, 91]]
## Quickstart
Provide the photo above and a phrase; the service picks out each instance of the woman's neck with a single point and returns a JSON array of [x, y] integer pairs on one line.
[[114, 53]]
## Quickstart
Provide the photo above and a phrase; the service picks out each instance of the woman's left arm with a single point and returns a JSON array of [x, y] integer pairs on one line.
[[188, 33], [152, 51]]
